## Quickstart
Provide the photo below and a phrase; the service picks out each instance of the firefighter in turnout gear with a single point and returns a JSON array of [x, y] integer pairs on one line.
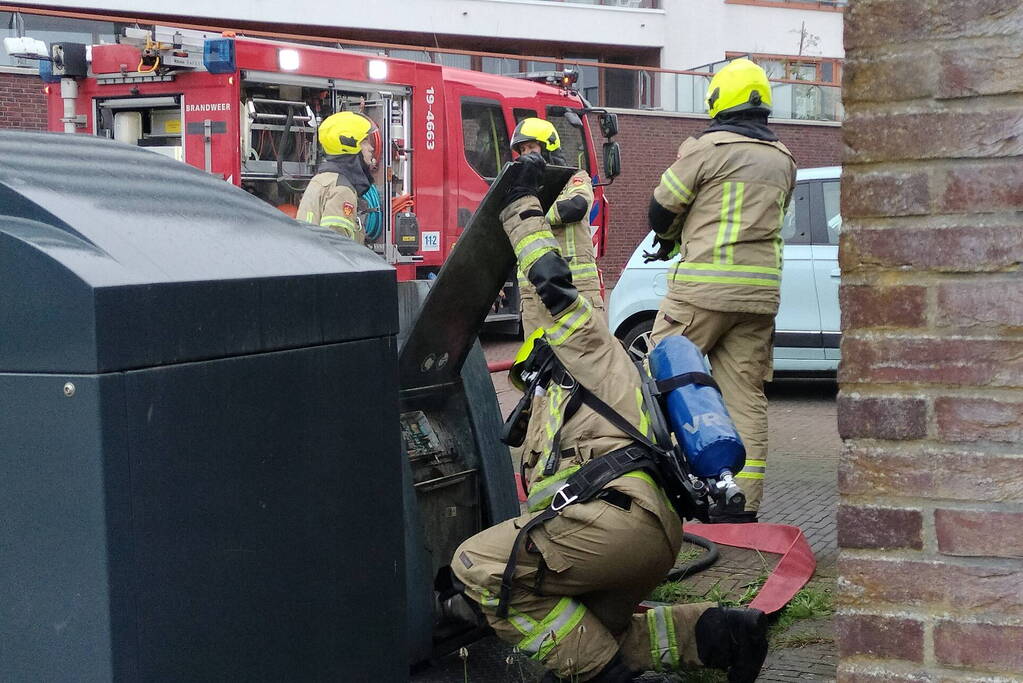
[[332, 197], [721, 206], [561, 582], [569, 219]]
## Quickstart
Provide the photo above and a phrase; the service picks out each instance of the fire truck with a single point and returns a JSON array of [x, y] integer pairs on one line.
[[246, 110]]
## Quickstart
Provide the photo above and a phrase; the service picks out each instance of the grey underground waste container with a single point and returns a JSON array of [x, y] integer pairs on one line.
[[199, 465]]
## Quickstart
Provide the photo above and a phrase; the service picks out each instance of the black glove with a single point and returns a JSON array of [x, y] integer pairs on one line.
[[531, 170], [666, 250]]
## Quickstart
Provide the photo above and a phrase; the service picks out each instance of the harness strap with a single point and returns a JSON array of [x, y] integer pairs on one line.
[[666, 385], [580, 487], [615, 418]]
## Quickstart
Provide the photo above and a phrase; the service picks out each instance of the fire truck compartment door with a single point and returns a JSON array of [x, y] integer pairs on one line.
[[467, 286]]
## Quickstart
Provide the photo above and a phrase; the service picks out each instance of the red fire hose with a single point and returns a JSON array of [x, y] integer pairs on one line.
[[499, 366]]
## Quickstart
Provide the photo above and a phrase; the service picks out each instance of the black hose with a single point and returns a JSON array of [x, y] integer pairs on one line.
[[705, 560]]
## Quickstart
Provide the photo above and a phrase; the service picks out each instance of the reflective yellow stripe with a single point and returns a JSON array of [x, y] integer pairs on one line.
[[534, 245], [310, 217], [753, 469], [733, 237], [675, 186], [756, 276], [695, 265], [725, 280], [663, 643], [561, 620], [583, 270], [570, 242], [726, 200], [570, 321], [644, 417], [543, 490], [522, 622]]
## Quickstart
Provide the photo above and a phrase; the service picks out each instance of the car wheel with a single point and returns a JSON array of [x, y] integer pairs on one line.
[[637, 340]]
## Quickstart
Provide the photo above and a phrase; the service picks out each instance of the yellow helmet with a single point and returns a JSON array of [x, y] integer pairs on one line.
[[536, 129], [523, 359], [343, 133], [740, 86]]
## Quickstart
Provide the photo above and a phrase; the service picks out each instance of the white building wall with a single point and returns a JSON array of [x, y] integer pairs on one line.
[[707, 29], [539, 20]]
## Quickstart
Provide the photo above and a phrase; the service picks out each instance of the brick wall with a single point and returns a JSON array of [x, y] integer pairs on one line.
[[930, 407], [649, 144], [22, 104]]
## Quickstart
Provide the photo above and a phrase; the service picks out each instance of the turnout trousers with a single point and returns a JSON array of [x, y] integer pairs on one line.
[[576, 588], [739, 347]]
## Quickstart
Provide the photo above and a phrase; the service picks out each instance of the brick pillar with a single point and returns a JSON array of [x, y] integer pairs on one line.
[[931, 407]]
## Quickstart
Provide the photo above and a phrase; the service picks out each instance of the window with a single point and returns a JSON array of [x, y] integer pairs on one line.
[[796, 68], [573, 138], [589, 77], [54, 30], [795, 228], [410, 55], [833, 209], [485, 136], [449, 59], [523, 114], [497, 65]]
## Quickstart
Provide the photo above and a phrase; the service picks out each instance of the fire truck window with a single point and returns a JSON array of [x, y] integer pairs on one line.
[[485, 136], [573, 141], [523, 114]]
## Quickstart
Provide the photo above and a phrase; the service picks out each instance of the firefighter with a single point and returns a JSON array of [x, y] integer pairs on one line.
[[721, 204], [561, 582], [332, 197], [569, 218]]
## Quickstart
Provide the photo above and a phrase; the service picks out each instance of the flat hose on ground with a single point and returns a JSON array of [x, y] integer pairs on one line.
[[706, 560]]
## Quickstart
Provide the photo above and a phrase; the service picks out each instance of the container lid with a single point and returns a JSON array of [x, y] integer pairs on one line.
[[113, 257]]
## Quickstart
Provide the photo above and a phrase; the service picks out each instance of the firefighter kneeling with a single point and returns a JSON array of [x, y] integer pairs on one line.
[[562, 581]]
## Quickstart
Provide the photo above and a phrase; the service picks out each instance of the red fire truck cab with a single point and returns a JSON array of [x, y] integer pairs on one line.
[[247, 109]]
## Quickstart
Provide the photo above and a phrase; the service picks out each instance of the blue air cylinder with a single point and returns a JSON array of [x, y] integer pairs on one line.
[[696, 413]]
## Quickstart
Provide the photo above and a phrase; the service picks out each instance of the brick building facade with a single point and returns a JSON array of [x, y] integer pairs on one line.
[[930, 407]]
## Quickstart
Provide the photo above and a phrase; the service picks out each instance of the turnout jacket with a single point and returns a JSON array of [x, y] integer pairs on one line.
[[730, 193], [332, 197], [592, 357]]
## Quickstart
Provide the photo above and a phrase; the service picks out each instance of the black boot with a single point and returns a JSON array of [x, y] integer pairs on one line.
[[733, 639]]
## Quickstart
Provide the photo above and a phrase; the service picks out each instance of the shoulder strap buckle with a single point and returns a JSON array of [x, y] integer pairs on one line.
[[562, 499]]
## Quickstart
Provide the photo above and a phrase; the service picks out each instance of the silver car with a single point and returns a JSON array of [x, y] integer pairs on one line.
[[808, 326]]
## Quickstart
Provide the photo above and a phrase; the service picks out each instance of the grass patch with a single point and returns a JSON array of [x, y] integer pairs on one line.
[[688, 554], [810, 603], [673, 592], [802, 640], [677, 592], [703, 676]]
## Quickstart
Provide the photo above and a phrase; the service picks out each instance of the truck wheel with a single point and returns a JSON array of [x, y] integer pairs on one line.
[[637, 339]]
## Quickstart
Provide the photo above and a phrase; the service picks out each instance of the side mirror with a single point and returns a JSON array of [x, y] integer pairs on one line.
[[608, 124], [573, 119], [612, 159]]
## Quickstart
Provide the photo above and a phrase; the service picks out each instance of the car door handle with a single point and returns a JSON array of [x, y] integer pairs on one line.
[[837, 272]]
